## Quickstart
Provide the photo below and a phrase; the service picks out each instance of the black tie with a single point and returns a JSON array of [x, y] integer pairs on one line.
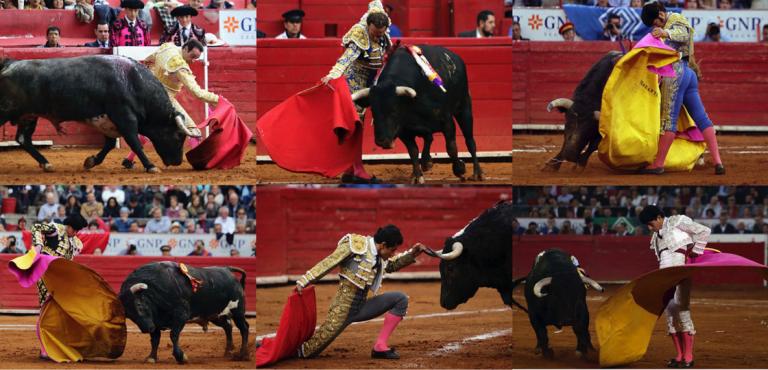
[[184, 36]]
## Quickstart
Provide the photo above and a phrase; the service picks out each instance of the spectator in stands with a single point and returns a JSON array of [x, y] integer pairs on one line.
[[394, 30], [50, 209], [516, 228], [197, 4], [8, 4], [234, 252], [227, 223], [219, 4], [723, 227], [233, 202], [54, 4], [61, 214], [636, 4], [72, 205], [602, 3], [165, 251], [486, 24], [184, 30], [251, 4], [123, 222], [190, 227], [567, 32], [612, 29], [131, 248], [163, 10], [757, 228], [516, 33], [113, 191], [34, 5], [713, 33], [174, 208], [292, 21], [765, 33], [567, 228], [714, 205], [10, 246], [112, 209], [724, 4], [199, 249], [102, 37], [195, 207], [158, 224], [550, 228], [741, 228], [175, 228], [52, 38], [130, 30], [133, 227], [533, 229], [620, 229], [91, 208]]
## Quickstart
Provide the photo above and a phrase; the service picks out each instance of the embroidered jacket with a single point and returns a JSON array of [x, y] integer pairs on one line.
[[121, 33], [677, 232], [358, 48], [168, 65], [356, 257], [53, 240]]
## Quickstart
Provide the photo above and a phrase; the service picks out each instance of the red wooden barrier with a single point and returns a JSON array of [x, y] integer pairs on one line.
[[289, 66], [114, 269], [733, 88], [302, 226], [611, 258], [231, 73]]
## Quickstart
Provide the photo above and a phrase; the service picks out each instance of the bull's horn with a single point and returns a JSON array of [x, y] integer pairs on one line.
[[560, 103], [361, 94], [138, 287], [453, 254], [597, 114], [592, 283], [180, 123], [405, 91], [540, 285]]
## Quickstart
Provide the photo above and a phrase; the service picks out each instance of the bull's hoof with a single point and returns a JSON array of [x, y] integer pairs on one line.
[[241, 356], [426, 166], [551, 166], [418, 180], [459, 169], [150, 360], [153, 169], [90, 162], [546, 352], [47, 167], [127, 164], [184, 359], [578, 168], [478, 176]]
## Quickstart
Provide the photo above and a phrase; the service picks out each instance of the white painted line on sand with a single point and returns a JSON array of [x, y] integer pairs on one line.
[[455, 346]]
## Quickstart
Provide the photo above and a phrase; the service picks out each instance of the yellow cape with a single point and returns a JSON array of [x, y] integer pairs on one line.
[[630, 116]]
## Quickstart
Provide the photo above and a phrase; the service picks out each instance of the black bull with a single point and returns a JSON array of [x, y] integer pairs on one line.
[[116, 95], [159, 296], [406, 105], [480, 255], [582, 115], [555, 294]]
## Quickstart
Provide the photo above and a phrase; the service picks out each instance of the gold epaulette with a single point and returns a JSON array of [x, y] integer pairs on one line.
[[358, 244], [357, 35]]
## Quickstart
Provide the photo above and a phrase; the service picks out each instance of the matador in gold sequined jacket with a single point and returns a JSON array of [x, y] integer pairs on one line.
[[679, 91], [363, 55], [362, 264], [169, 66], [57, 240]]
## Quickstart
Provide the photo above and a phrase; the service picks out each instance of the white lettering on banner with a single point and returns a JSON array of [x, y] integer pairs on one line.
[[735, 25], [181, 244], [540, 24], [238, 27]]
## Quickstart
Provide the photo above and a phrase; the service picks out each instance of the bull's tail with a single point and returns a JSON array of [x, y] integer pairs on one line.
[[242, 274], [514, 284]]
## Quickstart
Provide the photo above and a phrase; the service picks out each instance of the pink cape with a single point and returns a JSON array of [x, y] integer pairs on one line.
[[297, 324], [225, 147], [300, 134], [650, 41]]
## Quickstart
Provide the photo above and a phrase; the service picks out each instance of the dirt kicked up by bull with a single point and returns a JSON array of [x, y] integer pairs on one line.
[[407, 105], [166, 295], [582, 115], [116, 95]]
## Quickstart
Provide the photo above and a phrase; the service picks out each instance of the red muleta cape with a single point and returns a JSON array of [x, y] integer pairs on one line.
[[300, 133], [297, 324], [225, 147]]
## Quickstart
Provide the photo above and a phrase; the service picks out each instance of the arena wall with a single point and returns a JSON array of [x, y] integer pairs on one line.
[[114, 270], [299, 227], [289, 66], [620, 259], [231, 73], [733, 88]]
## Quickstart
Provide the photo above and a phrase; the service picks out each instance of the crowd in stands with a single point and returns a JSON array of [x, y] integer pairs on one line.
[[608, 210], [136, 209]]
